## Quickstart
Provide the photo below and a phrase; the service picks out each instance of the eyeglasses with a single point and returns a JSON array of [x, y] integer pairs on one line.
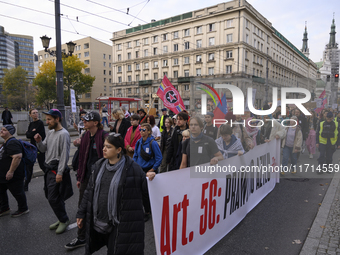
[[142, 129]]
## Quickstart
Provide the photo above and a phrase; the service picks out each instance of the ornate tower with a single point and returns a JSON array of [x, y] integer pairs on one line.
[[332, 43], [305, 49]]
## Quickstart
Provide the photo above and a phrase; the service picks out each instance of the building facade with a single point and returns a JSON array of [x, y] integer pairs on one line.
[[98, 58], [227, 43]]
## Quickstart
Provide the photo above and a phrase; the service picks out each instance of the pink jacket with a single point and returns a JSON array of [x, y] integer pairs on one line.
[[128, 137]]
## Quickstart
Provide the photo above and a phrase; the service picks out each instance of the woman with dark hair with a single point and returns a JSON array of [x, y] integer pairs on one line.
[[165, 140], [155, 130], [121, 125], [132, 135], [112, 204], [35, 127], [228, 144]]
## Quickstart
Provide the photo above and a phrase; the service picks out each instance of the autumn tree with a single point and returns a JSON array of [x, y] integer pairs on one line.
[[73, 79], [16, 89]]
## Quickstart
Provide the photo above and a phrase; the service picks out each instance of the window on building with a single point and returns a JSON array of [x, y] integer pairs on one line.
[[253, 71], [88, 95], [247, 23], [104, 72], [211, 41], [246, 69], [146, 65], [79, 55], [229, 38], [230, 53], [175, 61], [247, 38], [258, 60], [110, 80], [155, 63], [146, 53], [119, 47], [119, 79], [165, 62], [165, 74], [165, 49], [211, 27], [109, 57], [154, 89], [186, 45], [198, 72], [198, 58], [186, 73], [229, 23], [129, 90], [129, 44], [129, 55], [155, 51], [175, 34], [129, 78], [137, 66], [137, 43], [186, 87], [104, 82], [120, 69], [175, 74], [146, 40], [137, 78], [165, 37], [211, 56], [104, 56], [104, 64], [86, 54], [119, 57], [129, 67], [211, 71], [199, 30], [86, 45], [254, 43], [228, 69], [137, 89], [155, 38], [186, 60], [187, 32], [137, 54], [87, 62], [199, 44], [87, 70]]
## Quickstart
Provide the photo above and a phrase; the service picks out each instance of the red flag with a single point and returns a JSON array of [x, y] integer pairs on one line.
[[322, 95], [170, 96]]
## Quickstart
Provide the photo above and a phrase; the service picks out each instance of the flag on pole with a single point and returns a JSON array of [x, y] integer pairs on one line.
[[170, 96], [221, 110], [324, 101]]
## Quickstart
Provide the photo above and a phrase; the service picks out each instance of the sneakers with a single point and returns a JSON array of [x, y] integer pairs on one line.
[[4, 212], [54, 225], [311, 155], [75, 243], [62, 227], [18, 213]]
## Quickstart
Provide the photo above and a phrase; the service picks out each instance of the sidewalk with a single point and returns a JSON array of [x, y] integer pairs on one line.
[[324, 235]]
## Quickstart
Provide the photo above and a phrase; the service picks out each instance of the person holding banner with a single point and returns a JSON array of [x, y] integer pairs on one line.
[[112, 205], [291, 144], [228, 144], [199, 149]]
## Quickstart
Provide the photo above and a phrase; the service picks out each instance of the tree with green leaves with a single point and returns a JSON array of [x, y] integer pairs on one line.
[[16, 89], [73, 79]]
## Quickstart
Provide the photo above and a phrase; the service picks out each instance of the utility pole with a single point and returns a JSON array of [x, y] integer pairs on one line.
[[267, 85]]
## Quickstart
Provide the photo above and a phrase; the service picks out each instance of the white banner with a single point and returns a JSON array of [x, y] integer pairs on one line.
[[191, 214], [73, 101]]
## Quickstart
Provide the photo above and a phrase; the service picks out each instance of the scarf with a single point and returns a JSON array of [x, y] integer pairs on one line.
[[195, 139], [112, 196]]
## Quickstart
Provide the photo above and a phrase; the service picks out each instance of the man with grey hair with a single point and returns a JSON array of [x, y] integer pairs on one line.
[[127, 115]]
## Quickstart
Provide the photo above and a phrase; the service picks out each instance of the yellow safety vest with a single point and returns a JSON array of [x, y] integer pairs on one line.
[[324, 140], [161, 124]]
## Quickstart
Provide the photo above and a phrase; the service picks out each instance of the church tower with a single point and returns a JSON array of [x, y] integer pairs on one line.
[[305, 49], [332, 43]]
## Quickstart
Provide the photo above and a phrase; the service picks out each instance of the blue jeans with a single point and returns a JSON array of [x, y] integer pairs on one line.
[[104, 119], [288, 154]]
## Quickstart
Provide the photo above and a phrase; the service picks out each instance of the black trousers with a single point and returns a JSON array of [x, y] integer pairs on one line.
[[99, 240], [326, 154], [16, 188], [82, 231], [29, 168], [54, 197]]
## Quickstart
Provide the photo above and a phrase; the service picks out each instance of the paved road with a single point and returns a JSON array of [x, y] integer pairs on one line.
[[285, 215]]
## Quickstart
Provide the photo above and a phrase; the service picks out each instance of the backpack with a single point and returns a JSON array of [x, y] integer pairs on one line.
[[30, 152], [144, 155]]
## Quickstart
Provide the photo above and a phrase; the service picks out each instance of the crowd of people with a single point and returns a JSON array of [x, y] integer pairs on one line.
[[111, 167]]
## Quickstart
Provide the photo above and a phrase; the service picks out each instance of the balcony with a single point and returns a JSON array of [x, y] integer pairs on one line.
[[145, 82], [184, 79], [259, 79]]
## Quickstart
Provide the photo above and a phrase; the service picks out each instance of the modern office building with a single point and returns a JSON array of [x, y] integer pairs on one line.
[[98, 58], [229, 42]]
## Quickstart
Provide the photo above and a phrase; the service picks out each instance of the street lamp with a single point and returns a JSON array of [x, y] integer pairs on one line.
[[59, 64]]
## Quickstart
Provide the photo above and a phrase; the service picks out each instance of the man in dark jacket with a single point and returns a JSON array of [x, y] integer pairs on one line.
[[91, 149], [304, 127], [132, 196], [6, 117], [174, 158]]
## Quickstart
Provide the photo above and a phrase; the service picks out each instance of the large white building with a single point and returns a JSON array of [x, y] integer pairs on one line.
[[226, 43]]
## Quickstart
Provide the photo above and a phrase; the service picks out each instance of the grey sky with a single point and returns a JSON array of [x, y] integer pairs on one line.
[[287, 16]]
